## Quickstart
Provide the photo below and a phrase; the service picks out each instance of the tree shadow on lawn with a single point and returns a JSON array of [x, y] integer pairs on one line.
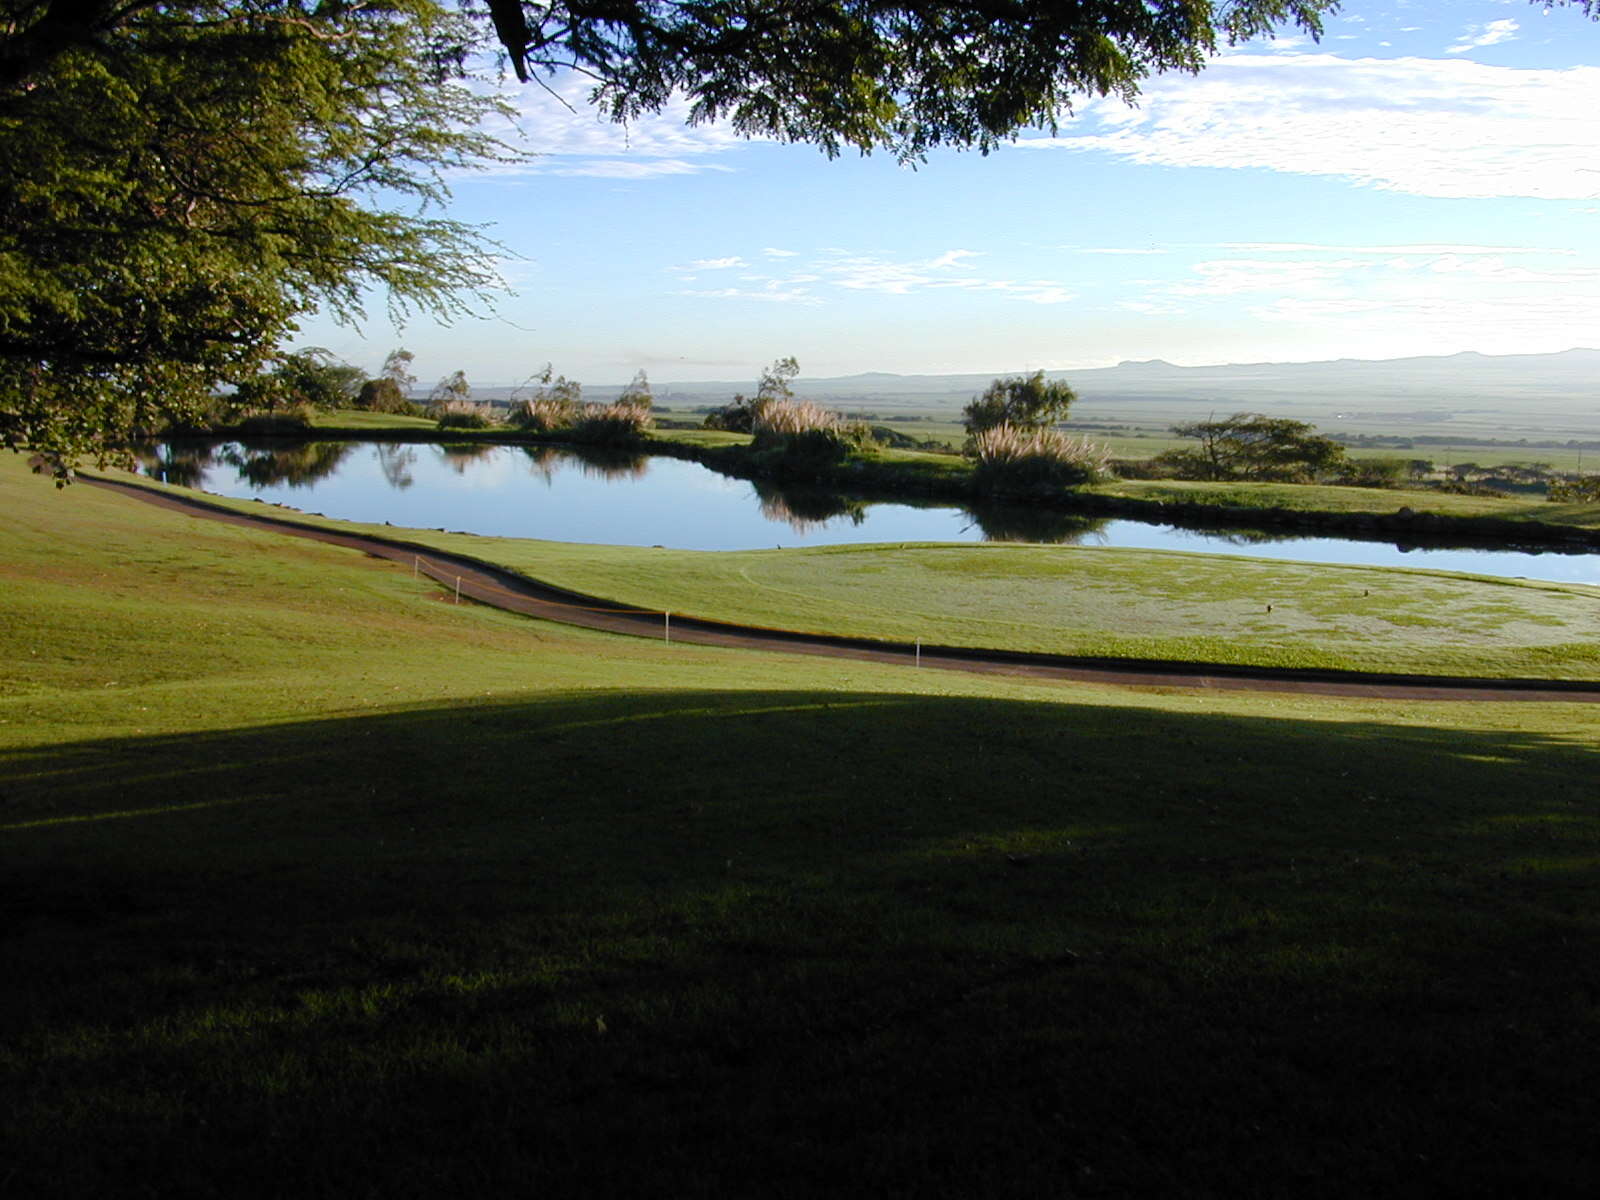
[[793, 943]]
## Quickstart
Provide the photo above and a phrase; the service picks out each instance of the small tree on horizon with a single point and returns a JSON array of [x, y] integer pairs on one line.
[[1024, 402]]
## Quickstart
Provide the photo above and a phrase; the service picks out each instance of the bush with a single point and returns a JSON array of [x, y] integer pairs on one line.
[[1013, 461], [611, 424], [385, 395], [296, 419], [1584, 489], [1020, 401], [800, 430], [545, 414], [460, 414]]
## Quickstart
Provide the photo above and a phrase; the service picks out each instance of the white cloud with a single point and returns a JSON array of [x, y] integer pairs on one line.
[[837, 270], [565, 135], [774, 252], [1432, 127], [1380, 299], [1491, 34]]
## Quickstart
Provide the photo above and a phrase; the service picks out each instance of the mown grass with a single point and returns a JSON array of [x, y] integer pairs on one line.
[[318, 885], [1091, 600]]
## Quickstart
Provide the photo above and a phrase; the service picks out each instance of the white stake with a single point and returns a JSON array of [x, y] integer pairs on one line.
[[919, 652], [666, 628], [458, 589], [416, 565]]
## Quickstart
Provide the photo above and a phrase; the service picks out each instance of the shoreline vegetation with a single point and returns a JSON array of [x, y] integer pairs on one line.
[[1097, 606], [887, 473]]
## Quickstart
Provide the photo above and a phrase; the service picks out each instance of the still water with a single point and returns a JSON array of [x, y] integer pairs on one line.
[[566, 495]]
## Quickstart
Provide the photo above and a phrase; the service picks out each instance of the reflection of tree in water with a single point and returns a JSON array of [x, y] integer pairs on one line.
[[459, 456], [543, 461], [299, 465], [599, 462], [180, 463], [1243, 537], [396, 462], [806, 509], [1030, 523]]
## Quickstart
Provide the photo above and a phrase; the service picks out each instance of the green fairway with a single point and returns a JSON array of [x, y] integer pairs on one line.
[[1089, 600], [320, 885]]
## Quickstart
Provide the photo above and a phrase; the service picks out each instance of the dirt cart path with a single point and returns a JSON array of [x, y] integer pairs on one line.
[[479, 581]]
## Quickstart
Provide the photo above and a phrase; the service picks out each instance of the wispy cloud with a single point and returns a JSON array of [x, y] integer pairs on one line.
[[563, 134], [835, 270], [1491, 34], [1494, 298], [1432, 127]]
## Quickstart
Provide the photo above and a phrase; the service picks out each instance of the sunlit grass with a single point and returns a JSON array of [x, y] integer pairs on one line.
[[426, 899]]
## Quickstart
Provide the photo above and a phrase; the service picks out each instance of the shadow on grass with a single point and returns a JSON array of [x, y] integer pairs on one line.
[[790, 943]]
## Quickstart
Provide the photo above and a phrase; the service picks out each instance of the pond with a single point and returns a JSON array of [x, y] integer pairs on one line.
[[564, 494]]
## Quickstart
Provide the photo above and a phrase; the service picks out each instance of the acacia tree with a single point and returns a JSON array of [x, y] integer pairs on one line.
[[1253, 446], [177, 189]]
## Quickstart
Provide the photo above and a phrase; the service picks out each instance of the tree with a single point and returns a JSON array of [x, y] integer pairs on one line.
[[313, 376], [1023, 401], [181, 182], [1253, 446], [900, 75], [450, 393], [637, 394]]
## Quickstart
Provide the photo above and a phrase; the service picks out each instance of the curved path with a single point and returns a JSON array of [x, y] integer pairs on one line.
[[478, 580]]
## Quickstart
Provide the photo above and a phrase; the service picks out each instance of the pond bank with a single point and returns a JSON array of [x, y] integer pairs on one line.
[[1359, 511]]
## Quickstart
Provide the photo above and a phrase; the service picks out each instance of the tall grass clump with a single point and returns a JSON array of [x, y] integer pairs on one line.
[[545, 414], [611, 424], [801, 430], [1031, 462], [460, 414]]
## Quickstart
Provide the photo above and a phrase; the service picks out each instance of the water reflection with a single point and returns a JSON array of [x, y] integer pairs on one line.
[[607, 463], [624, 498], [459, 456], [1025, 523], [294, 466], [806, 509], [396, 462]]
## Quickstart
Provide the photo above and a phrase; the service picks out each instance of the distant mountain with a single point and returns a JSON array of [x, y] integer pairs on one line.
[[1466, 380]]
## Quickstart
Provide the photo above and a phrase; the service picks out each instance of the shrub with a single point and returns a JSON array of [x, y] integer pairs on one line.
[[801, 430], [295, 419], [1584, 489], [1021, 401], [459, 414], [1017, 461], [545, 414], [611, 424]]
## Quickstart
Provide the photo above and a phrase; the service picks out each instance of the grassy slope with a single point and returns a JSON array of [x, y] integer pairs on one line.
[[1092, 600], [319, 886]]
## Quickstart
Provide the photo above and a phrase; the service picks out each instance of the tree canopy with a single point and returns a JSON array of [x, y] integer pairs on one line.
[[1021, 401], [181, 179], [900, 75], [1253, 446], [178, 188]]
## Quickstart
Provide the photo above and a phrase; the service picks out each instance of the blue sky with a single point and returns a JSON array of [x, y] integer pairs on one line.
[[1424, 180]]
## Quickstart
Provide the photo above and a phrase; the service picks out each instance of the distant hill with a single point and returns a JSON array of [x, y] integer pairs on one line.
[[1499, 395]]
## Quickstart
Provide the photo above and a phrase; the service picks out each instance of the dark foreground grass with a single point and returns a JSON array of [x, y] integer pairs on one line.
[[471, 906], [790, 943]]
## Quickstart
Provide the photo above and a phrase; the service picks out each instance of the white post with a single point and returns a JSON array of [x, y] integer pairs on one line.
[[416, 565], [458, 589], [666, 628], [919, 652]]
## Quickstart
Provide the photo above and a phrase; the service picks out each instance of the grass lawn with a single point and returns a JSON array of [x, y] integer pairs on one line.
[[318, 885], [1091, 600]]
